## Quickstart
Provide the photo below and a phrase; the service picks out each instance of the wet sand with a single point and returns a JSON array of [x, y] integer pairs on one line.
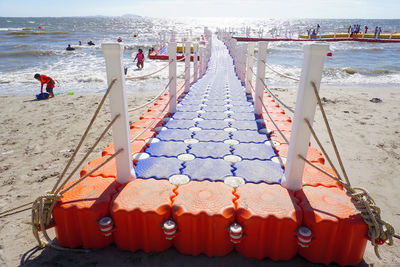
[[38, 137]]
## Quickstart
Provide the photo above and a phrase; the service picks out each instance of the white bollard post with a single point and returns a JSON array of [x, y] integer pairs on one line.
[[244, 52], [195, 61], [314, 56], [233, 49], [173, 37], [201, 63], [118, 105], [172, 76], [250, 66], [262, 57], [187, 66]]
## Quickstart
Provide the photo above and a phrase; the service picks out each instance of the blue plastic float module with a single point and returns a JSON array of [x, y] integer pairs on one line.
[[168, 148], [257, 171], [215, 109], [207, 169], [210, 150], [158, 167]]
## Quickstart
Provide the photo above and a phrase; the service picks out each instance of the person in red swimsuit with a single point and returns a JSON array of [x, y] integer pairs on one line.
[[43, 79], [140, 59]]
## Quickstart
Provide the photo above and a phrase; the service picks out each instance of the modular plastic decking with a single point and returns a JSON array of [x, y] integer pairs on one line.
[[208, 166]]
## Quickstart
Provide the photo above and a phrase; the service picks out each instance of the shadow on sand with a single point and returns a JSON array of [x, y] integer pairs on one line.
[[112, 256]]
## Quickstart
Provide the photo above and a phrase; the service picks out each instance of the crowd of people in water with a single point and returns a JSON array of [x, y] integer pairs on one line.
[[356, 29], [312, 34], [352, 30]]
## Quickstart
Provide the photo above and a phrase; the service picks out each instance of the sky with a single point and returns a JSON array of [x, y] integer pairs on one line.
[[368, 9]]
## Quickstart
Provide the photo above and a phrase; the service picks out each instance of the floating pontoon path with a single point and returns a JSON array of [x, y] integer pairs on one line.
[[209, 182], [214, 133]]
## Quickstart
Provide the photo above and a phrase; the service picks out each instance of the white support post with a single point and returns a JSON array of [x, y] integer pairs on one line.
[[238, 63], [195, 61], [120, 129], [172, 76], [173, 37], [233, 49], [313, 62], [244, 52], [187, 66], [201, 63], [262, 57], [250, 66]]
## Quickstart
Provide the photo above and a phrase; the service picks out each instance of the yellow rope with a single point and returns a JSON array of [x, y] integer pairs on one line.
[[276, 126], [151, 123], [281, 74], [16, 208], [89, 152], [277, 99], [379, 231], [150, 74], [146, 75], [329, 132], [153, 100], [84, 135], [322, 148], [42, 208]]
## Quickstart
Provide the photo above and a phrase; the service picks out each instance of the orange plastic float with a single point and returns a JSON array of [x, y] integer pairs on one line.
[[136, 147], [203, 212], [77, 213], [109, 170], [338, 232], [313, 177], [139, 212], [269, 216], [313, 154]]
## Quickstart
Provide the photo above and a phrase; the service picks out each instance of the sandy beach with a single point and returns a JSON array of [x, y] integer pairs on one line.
[[38, 138]]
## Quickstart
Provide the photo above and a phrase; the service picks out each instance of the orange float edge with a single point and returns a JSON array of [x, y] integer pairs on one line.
[[204, 210]]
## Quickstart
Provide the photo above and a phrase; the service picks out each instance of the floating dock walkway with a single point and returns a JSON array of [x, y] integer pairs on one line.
[[209, 181]]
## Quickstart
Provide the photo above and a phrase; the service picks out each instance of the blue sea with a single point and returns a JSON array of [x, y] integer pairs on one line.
[[37, 45]]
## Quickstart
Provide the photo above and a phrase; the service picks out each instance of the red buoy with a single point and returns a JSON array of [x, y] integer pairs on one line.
[[134, 35], [329, 54], [40, 27]]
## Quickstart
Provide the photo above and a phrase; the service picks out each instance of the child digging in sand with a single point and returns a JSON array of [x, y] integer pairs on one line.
[[43, 79]]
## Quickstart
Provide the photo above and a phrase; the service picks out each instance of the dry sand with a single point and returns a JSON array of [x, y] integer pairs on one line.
[[37, 138]]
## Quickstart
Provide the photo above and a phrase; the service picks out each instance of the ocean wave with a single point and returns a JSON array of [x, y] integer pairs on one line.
[[30, 32], [11, 29], [340, 72], [28, 53], [90, 80]]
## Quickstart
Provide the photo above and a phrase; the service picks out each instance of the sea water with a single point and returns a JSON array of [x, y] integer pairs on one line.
[[37, 45]]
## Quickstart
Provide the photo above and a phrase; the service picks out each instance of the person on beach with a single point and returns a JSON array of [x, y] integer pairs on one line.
[[43, 79], [366, 29], [119, 39], [80, 43], [140, 59]]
